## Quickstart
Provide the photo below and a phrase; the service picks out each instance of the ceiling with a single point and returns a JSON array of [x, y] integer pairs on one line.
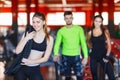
[[58, 3]]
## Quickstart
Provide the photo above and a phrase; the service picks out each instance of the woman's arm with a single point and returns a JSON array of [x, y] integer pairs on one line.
[[23, 42], [88, 39], [47, 52], [107, 35]]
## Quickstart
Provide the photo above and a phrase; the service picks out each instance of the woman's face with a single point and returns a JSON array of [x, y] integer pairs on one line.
[[98, 22], [37, 23]]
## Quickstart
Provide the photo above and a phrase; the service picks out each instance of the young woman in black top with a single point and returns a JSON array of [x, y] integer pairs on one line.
[[98, 38]]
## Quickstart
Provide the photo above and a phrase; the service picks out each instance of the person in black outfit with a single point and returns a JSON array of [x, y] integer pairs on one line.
[[98, 38], [40, 52]]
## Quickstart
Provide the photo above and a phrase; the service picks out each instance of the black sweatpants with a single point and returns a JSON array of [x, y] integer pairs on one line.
[[31, 73], [107, 68]]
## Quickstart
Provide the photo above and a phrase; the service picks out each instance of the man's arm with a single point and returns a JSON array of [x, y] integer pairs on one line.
[[83, 43], [57, 43], [84, 47]]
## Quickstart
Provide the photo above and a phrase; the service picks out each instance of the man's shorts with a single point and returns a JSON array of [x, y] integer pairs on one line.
[[71, 62]]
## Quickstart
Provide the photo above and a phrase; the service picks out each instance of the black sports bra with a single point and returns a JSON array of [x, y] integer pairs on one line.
[[39, 46]]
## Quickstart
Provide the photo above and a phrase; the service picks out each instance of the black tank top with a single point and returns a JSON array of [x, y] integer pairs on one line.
[[98, 46], [39, 46]]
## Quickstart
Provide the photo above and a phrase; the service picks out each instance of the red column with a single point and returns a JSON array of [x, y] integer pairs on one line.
[[14, 21], [14, 10], [93, 7], [28, 2], [111, 17], [89, 15], [36, 6], [100, 8], [111, 7]]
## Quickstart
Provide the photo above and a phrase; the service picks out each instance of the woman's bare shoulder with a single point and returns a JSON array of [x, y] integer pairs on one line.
[[89, 32], [50, 40]]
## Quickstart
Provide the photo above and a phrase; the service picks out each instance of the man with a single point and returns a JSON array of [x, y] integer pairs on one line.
[[72, 39]]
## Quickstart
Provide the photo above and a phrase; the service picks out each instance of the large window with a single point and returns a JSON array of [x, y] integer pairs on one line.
[[105, 17], [22, 18], [31, 15], [58, 18], [79, 18], [55, 19], [116, 18], [5, 18]]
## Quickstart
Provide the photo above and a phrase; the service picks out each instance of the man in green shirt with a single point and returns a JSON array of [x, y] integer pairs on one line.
[[73, 39]]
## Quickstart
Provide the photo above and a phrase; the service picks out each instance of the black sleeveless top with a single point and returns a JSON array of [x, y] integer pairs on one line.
[[39, 46], [98, 46]]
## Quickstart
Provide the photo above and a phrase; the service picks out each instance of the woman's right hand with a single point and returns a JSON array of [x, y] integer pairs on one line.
[[30, 35], [106, 59]]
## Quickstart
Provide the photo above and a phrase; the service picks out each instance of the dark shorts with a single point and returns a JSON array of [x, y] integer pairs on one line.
[[71, 62]]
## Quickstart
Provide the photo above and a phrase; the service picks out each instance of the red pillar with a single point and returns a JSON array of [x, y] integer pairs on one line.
[[36, 5], [93, 7], [28, 2], [89, 15], [100, 8], [111, 7], [14, 21], [14, 10]]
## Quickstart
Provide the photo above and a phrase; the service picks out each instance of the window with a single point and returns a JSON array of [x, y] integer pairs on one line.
[[79, 18], [116, 18], [105, 17], [22, 18], [5, 18], [55, 18], [58, 18], [31, 15]]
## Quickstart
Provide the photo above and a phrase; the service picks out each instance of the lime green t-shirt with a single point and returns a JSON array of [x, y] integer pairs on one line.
[[72, 40]]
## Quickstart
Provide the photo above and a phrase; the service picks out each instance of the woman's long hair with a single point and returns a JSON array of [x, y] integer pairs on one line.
[[42, 17]]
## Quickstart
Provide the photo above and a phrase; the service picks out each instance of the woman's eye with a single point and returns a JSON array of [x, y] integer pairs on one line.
[[38, 21]]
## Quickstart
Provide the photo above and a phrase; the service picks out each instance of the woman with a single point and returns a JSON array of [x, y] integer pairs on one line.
[[98, 38], [40, 51]]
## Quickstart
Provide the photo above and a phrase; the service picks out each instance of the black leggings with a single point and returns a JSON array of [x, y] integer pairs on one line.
[[31, 73], [107, 68], [78, 78]]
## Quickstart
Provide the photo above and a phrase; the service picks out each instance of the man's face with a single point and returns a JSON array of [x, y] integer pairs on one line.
[[68, 19]]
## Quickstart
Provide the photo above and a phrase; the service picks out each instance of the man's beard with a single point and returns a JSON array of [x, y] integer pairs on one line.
[[69, 23]]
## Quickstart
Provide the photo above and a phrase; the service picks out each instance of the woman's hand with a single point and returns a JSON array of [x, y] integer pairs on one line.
[[30, 35], [106, 59], [26, 61]]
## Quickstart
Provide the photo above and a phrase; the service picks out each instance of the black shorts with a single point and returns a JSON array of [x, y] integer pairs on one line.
[[71, 62]]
